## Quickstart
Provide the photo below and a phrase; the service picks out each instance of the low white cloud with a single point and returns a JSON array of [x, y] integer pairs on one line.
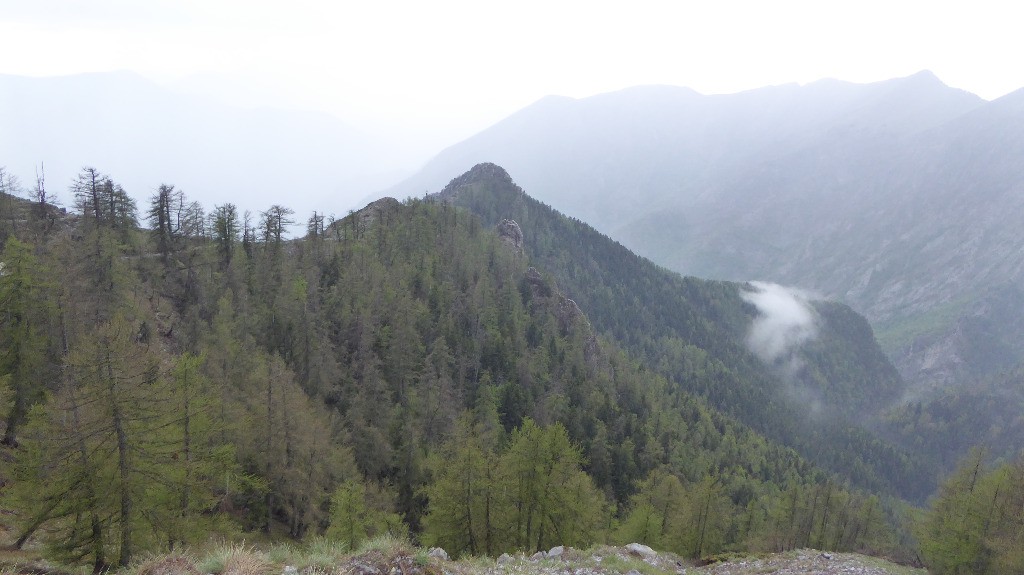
[[786, 321]]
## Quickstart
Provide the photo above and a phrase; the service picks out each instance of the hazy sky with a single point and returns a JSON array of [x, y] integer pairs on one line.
[[452, 67]]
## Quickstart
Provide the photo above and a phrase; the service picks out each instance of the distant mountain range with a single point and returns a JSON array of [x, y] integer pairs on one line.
[[144, 135], [901, 198]]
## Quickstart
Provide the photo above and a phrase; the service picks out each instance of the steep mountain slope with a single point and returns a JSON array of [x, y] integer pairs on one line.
[[694, 332], [923, 237], [948, 422], [880, 223], [149, 135], [902, 199]]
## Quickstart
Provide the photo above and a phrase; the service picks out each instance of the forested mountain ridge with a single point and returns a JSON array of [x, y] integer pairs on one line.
[[208, 376], [694, 332], [900, 198], [897, 197]]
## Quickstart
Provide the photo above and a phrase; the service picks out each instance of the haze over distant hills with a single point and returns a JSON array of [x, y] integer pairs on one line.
[[902, 198], [664, 144], [143, 135]]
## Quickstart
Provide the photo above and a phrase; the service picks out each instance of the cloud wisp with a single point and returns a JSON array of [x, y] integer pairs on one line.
[[786, 322]]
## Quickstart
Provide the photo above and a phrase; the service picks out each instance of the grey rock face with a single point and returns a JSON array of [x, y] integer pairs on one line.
[[640, 550], [438, 553], [511, 235]]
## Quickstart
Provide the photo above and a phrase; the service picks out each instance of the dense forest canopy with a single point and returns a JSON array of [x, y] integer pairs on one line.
[[405, 369]]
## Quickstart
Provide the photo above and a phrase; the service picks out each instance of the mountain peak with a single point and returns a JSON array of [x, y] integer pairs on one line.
[[925, 75], [923, 80], [484, 171]]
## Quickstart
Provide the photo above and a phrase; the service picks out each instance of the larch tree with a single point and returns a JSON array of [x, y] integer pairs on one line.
[[463, 494], [192, 484], [95, 448], [117, 380], [225, 230], [975, 524], [8, 211], [163, 220], [108, 220], [59, 483], [26, 312], [361, 510], [550, 500], [656, 517], [282, 439]]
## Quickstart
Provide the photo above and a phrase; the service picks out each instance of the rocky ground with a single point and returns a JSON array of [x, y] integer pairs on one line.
[[402, 560], [807, 561], [641, 561]]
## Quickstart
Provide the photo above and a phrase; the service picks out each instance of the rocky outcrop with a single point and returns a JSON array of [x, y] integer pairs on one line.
[[358, 222], [566, 311], [377, 210], [511, 235], [568, 314], [640, 550], [535, 281]]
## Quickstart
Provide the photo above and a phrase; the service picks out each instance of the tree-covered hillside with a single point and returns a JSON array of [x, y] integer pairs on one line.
[[403, 369], [693, 332], [901, 198]]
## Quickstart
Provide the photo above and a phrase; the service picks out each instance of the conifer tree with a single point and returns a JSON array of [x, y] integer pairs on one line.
[[58, 483], [348, 514], [282, 439], [25, 316], [359, 512], [163, 221], [108, 221], [95, 448], [464, 494], [975, 524], [191, 485], [656, 518], [550, 500], [225, 230], [8, 213], [117, 379], [950, 537], [1007, 528], [104, 203]]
